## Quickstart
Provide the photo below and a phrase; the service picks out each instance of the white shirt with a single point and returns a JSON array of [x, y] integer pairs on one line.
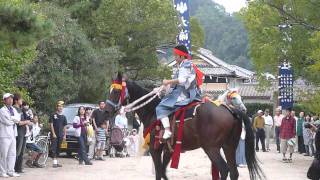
[[34, 133], [278, 120], [268, 120], [8, 127], [121, 121]]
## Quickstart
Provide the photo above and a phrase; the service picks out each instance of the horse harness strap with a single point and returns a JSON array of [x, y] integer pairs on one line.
[[177, 149]]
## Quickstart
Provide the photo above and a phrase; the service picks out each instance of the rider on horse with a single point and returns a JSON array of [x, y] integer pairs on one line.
[[184, 88]]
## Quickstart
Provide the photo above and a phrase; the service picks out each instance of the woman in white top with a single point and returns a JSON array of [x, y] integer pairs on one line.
[[79, 123]]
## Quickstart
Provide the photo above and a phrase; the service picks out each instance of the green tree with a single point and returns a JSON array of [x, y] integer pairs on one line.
[[224, 33], [197, 33], [21, 27], [137, 27], [67, 66], [262, 19]]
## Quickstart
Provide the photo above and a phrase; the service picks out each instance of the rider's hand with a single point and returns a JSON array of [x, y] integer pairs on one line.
[[165, 82], [54, 136]]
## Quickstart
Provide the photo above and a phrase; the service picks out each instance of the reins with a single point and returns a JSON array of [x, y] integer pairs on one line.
[[131, 107]]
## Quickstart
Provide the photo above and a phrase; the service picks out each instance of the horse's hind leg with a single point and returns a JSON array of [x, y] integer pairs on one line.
[[217, 160], [230, 153]]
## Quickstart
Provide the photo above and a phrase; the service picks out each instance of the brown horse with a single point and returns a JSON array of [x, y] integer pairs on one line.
[[212, 128]]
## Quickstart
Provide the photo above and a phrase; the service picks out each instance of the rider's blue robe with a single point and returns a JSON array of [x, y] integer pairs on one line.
[[183, 93]]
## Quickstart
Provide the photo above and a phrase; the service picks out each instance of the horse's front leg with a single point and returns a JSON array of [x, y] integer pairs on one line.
[[165, 162], [157, 161]]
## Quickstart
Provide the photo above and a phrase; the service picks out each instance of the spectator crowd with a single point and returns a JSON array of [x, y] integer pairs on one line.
[[19, 128], [290, 132]]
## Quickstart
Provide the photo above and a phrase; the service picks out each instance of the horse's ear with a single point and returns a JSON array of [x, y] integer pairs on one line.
[[119, 76]]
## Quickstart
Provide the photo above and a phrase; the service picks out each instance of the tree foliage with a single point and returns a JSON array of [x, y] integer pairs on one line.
[[262, 19], [20, 28], [67, 66], [269, 45], [224, 33], [197, 33], [137, 27]]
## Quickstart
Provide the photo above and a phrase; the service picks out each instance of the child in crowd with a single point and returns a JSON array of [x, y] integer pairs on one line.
[[101, 140], [32, 146], [134, 143]]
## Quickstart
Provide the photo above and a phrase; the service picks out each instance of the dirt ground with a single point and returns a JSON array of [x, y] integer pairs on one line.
[[194, 165]]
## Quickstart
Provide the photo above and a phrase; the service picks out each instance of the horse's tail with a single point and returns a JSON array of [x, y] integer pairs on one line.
[[255, 170]]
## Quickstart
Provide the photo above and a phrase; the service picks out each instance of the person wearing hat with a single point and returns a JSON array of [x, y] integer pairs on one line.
[[184, 88], [287, 135], [9, 117], [58, 123], [258, 125]]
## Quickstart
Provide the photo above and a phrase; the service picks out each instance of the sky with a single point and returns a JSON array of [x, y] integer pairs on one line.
[[232, 5]]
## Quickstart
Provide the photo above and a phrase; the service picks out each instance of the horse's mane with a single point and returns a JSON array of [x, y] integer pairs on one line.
[[222, 97], [146, 113]]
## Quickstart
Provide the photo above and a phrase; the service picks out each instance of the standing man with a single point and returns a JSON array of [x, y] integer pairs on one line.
[[8, 132], [57, 124], [299, 128], [277, 122], [99, 116], [287, 133], [258, 125], [268, 126], [22, 130]]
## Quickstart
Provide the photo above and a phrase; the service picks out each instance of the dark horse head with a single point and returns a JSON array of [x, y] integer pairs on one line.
[[124, 91], [210, 121]]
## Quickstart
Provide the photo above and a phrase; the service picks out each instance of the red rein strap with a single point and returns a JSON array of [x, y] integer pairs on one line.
[[181, 53], [123, 92]]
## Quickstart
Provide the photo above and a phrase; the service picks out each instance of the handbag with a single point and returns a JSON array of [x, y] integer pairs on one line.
[[90, 132], [292, 141]]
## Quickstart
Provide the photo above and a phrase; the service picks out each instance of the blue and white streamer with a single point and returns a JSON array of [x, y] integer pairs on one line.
[[286, 86], [184, 36]]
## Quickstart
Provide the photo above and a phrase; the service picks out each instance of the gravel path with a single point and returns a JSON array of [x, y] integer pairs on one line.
[[194, 165]]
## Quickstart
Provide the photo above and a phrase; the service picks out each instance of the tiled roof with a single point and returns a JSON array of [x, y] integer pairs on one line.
[[250, 91], [218, 67], [216, 71], [213, 94]]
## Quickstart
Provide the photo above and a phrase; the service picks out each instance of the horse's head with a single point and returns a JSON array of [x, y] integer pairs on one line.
[[118, 94], [234, 98]]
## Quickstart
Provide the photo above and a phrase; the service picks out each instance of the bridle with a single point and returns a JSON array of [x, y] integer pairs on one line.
[[124, 94]]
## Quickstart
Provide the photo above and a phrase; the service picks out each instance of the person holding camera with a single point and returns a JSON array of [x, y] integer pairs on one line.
[[308, 136]]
